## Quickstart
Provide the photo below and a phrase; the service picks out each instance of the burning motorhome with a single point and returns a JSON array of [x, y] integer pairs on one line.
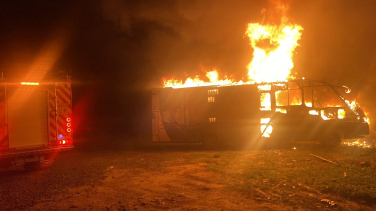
[[270, 104], [292, 110]]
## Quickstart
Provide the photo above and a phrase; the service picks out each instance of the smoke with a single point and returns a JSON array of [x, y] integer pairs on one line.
[[131, 44], [179, 36], [176, 37], [171, 38]]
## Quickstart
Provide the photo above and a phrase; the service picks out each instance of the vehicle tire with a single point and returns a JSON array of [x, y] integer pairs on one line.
[[33, 166], [210, 141], [331, 139]]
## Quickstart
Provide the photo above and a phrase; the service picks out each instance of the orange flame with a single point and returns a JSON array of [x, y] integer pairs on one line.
[[341, 113], [272, 56], [191, 82], [273, 49]]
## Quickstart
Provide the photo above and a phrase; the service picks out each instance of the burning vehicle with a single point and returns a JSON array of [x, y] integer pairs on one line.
[[271, 103], [292, 110]]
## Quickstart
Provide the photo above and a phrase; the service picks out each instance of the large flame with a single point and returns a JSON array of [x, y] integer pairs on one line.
[[196, 81], [273, 47], [273, 50]]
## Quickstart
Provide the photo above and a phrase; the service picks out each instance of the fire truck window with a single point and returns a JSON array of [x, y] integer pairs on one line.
[[308, 96], [281, 98], [295, 97], [265, 102], [324, 96]]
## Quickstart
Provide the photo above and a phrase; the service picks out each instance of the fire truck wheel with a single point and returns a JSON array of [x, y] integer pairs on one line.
[[33, 166], [210, 141], [331, 139]]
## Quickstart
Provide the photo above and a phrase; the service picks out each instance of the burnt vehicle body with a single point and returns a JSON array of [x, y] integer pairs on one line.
[[292, 110]]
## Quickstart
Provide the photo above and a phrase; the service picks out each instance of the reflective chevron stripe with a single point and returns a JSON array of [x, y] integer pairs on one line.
[[52, 120], [63, 94]]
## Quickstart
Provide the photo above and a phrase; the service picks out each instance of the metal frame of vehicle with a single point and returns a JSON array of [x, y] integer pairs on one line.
[[211, 114]]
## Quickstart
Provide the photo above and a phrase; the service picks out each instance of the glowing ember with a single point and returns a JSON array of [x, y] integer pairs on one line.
[[357, 143]]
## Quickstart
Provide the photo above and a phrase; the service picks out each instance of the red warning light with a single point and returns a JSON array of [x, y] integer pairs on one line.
[[69, 125], [65, 142]]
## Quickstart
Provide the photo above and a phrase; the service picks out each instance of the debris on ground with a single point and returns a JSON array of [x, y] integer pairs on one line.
[[365, 164], [321, 158], [331, 203]]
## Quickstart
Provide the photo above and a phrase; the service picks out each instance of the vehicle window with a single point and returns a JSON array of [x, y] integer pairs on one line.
[[308, 96], [324, 96], [295, 97], [265, 102], [290, 97], [281, 98]]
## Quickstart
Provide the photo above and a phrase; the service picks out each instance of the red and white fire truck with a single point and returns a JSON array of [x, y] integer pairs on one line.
[[35, 122]]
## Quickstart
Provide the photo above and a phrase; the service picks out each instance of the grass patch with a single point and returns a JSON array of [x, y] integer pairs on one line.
[[293, 177]]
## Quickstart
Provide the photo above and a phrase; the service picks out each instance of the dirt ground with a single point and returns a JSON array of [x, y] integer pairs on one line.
[[174, 178], [175, 185]]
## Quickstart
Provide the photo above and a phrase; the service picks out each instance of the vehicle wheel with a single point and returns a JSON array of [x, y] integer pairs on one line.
[[33, 166], [210, 141], [331, 139]]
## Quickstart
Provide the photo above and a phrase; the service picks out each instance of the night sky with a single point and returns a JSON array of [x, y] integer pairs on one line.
[[117, 50]]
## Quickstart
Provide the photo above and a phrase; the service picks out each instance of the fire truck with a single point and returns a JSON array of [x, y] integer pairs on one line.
[[281, 111], [35, 122]]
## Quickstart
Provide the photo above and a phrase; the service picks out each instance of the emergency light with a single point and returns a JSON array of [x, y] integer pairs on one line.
[[30, 83]]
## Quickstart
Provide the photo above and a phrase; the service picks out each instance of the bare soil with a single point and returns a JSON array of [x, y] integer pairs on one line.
[[175, 184], [170, 177]]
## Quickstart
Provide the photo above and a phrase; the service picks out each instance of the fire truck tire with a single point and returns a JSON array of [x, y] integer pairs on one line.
[[33, 166], [210, 141], [331, 139]]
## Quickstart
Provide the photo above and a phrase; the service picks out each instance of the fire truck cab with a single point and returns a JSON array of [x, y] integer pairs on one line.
[[35, 122], [292, 110]]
